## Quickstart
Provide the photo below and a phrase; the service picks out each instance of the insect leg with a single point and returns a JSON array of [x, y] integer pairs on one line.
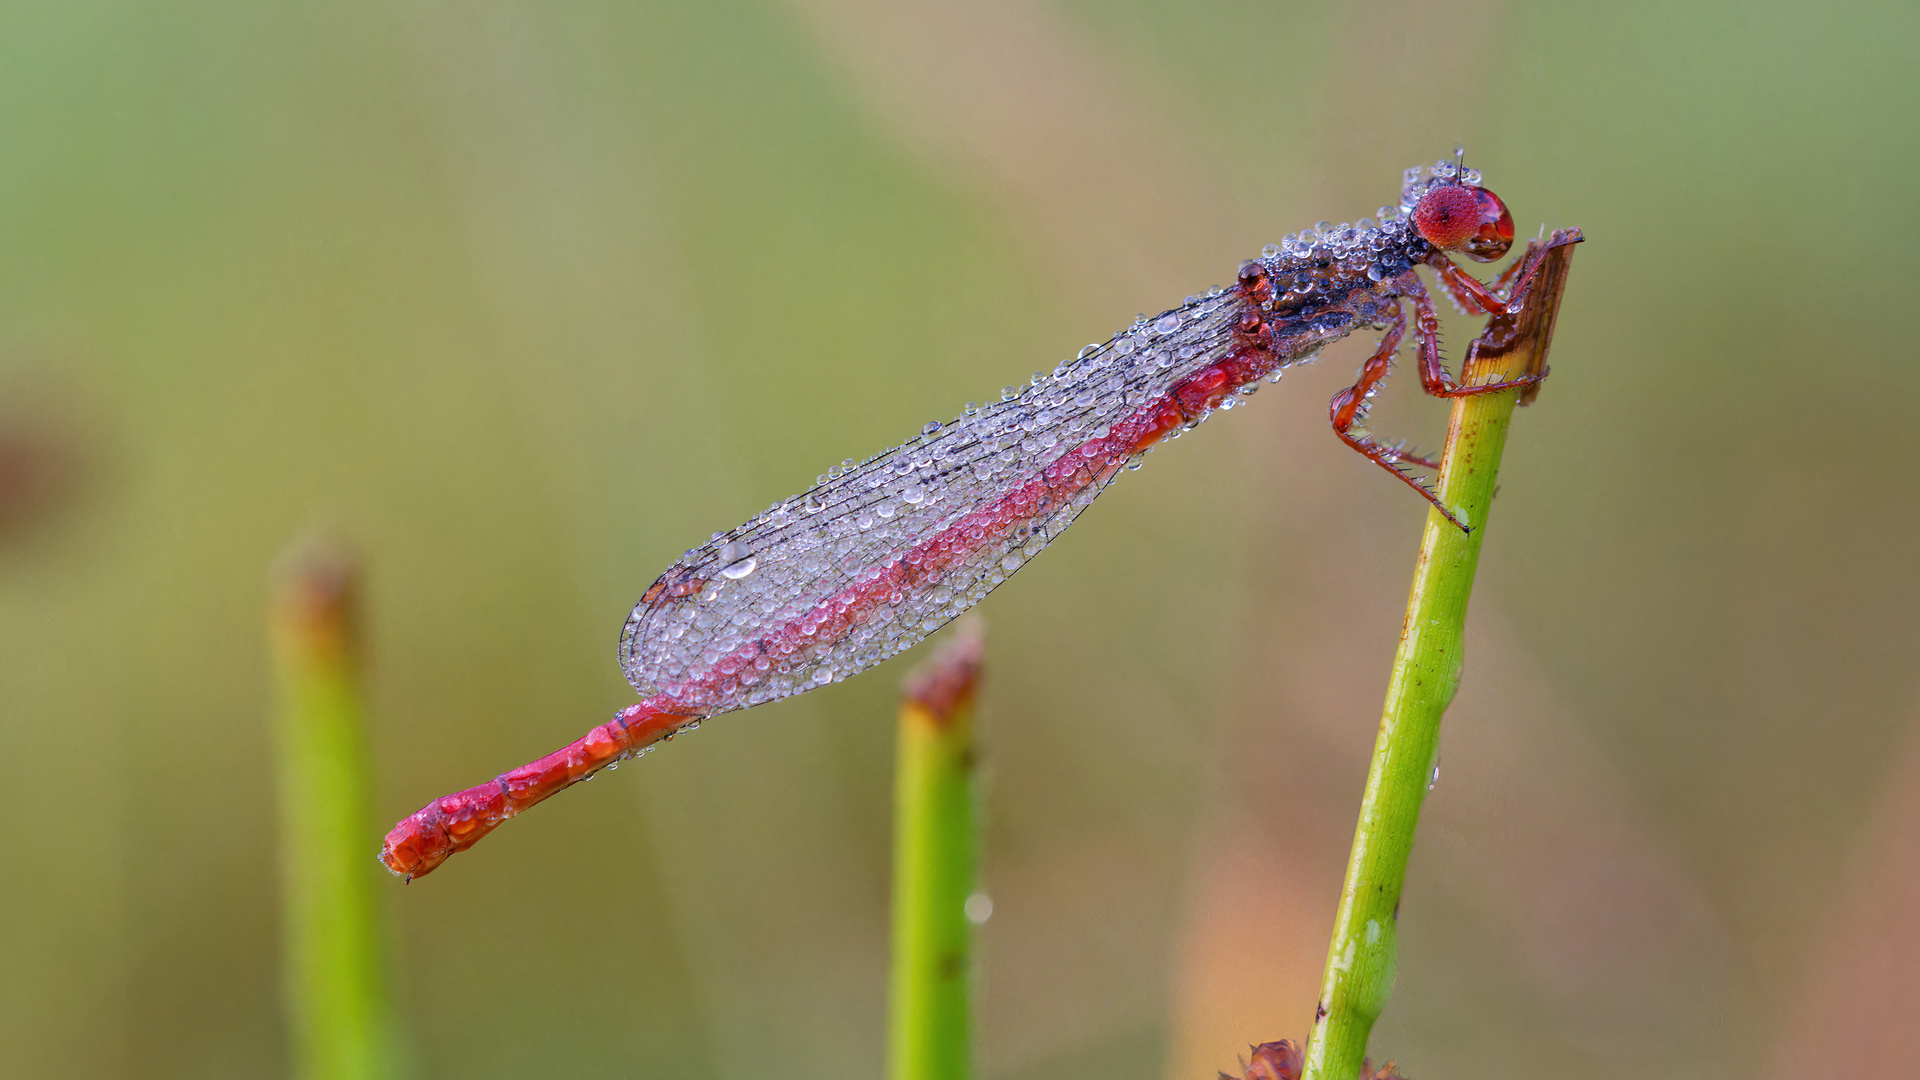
[[1452, 280], [1348, 413], [1507, 291], [1434, 377], [1503, 285]]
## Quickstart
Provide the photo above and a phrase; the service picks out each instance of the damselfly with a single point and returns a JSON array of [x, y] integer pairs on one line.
[[879, 554]]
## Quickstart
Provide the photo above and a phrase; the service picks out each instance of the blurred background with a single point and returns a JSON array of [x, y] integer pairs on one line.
[[521, 300]]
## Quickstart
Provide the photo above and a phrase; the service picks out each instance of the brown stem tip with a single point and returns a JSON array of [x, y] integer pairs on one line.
[[945, 682]]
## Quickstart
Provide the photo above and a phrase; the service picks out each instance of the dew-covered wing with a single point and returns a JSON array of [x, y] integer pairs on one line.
[[875, 558]]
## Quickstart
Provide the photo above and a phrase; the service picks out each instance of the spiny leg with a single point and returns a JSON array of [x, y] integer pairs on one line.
[[1434, 377], [1503, 285], [1501, 288], [1502, 298], [1348, 413]]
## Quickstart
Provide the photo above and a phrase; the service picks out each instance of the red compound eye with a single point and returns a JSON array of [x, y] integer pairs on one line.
[[1456, 217], [1495, 234], [1447, 217]]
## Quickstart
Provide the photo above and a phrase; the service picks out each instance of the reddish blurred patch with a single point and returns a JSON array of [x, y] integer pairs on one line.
[[1271, 1061], [1855, 1011], [1283, 1061], [41, 468]]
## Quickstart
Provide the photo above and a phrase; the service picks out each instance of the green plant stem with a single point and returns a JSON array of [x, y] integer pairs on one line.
[[1426, 671], [934, 857], [335, 974]]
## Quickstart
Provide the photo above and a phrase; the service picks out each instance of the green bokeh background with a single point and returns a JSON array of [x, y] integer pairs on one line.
[[522, 300]]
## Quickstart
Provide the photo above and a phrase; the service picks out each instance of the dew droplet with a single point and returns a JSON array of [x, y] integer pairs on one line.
[[736, 561], [979, 908]]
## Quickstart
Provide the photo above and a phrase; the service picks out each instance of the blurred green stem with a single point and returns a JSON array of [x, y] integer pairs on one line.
[[934, 855], [1426, 672], [335, 974]]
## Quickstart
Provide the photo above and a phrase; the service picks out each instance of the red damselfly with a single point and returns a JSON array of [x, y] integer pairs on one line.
[[879, 554]]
